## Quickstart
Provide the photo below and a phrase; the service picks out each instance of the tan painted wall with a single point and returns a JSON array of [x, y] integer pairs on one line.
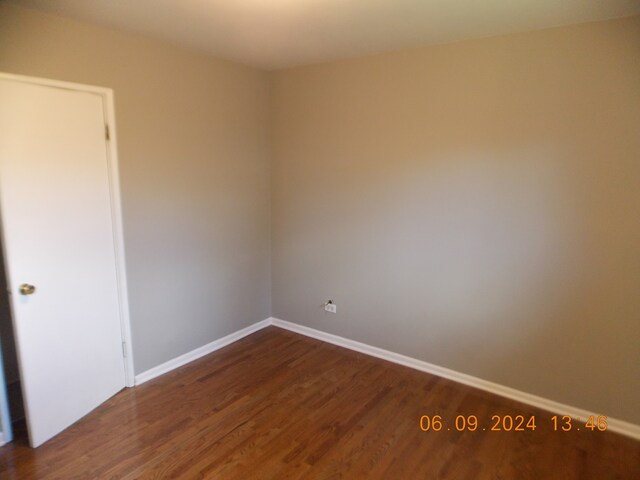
[[193, 147], [475, 205]]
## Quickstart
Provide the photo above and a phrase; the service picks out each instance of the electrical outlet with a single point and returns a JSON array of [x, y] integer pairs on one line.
[[330, 307]]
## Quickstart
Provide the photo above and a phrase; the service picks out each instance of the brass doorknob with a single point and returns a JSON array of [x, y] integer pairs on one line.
[[26, 289]]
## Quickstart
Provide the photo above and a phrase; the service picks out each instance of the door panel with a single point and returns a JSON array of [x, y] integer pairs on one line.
[[58, 237]]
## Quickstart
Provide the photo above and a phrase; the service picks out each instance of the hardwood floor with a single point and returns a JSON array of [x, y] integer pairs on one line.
[[279, 405]]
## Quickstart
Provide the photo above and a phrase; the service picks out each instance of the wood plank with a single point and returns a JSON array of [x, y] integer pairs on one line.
[[279, 405]]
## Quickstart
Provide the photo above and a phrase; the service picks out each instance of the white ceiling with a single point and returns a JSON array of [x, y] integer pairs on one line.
[[273, 34]]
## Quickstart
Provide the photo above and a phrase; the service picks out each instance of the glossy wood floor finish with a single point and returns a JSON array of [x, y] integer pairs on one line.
[[277, 405]]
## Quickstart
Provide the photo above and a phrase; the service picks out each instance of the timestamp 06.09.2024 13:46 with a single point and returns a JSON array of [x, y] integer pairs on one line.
[[512, 423]]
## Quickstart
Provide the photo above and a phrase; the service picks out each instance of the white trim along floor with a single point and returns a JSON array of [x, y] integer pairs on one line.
[[619, 426]]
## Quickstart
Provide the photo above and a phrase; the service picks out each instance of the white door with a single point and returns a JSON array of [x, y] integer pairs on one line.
[[58, 238]]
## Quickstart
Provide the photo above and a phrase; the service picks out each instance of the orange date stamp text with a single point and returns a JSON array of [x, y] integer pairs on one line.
[[511, 423]]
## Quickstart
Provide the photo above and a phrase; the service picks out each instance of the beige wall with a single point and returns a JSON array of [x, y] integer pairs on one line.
[[194, 167], [475, 205]]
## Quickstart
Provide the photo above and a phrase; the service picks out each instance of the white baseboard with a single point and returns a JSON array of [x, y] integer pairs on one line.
[[619, 426], [2, 442], [200, 352]]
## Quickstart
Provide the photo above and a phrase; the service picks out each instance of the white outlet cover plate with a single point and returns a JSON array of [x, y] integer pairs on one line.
[[330, 307]]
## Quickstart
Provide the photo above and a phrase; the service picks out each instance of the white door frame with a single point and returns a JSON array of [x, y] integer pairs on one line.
[[116, 206]]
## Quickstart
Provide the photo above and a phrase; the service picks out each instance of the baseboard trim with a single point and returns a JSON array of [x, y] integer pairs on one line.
[[618, 426], [199, 352], [2, 442], [615, 425]]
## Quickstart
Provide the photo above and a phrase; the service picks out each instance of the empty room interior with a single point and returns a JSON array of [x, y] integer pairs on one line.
[[320, 239]]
